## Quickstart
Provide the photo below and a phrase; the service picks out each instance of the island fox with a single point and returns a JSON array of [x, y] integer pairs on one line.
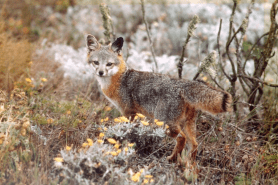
[[171, 100]]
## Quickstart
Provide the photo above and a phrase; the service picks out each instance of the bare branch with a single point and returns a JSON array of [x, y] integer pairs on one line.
[[107, 22], [232, 19], [230, 40], [191, 29], [219, 52], [261, 92], [206, 65], [240, 69], [213, 79], [148, 32], [248, 56], [268, 46], [258, 80]]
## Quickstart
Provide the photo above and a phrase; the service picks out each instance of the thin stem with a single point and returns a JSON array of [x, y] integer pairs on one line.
[[258, 80], [148, 32], [230, 40], [219, 52]]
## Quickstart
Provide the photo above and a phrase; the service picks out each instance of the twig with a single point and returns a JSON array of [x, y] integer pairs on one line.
[[181, 62], [236, 127], [248, 56], [191, 29], [107, 21], [219, 52], [270, 41], [230, 40], [206, 64], [233, 76], [161, 147], [213, 79], [258, 80], [219, 169], [149, 36], [240, 68]]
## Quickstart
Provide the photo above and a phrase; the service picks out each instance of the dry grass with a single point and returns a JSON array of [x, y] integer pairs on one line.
[[15, 57], [226, 152]]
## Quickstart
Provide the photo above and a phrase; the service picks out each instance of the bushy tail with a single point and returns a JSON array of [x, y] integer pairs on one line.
[[205, 97]]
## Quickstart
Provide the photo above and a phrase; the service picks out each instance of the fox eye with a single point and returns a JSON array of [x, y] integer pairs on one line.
[[96, 62], [109, 64]]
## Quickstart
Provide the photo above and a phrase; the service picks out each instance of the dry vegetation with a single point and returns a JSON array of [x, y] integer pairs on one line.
[[55, 132]]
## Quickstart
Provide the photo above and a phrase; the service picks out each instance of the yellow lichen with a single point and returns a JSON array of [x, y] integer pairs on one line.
[[124, 119], [117, 120], [130, 144], [68, 148], [136, 177], [114, 153], [100, 141], [160, 123], [145, 123], [140, 115], [101, 135], [59, 159], [90, 142], [111, 140]]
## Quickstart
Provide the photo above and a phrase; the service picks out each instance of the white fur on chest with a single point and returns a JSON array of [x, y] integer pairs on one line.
[[104, 84]]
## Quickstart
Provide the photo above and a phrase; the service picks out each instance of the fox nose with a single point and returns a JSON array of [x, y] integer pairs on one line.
[[100, 73]]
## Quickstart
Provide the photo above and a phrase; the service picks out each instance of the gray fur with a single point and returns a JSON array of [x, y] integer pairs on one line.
[[161, 95]]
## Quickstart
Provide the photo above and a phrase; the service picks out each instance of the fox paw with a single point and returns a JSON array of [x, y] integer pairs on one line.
[[172, 157]]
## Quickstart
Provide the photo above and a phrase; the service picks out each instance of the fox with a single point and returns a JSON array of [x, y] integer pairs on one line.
[[171, 100]]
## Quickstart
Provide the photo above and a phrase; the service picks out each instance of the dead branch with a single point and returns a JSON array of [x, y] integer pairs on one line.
[[249, 54], [240, 69], [262, 62], [107, 22], [258, 80], [219, 52], [191, 29], [148, 32], [206, 64], [233, 78]]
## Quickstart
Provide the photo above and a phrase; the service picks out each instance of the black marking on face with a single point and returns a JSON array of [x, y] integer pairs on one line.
[[109, 64]]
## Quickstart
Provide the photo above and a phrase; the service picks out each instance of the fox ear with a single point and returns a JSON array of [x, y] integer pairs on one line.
[[117, 45], [92, 43]]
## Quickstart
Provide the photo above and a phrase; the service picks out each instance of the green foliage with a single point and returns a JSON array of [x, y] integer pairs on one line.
[[62, 5], [256, 51], [266, 168], [270, 104], [47, 110], [15, 147], [242, 179]]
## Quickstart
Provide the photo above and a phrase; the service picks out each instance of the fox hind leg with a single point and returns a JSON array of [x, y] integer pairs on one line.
[[175, 131], [190, 131]]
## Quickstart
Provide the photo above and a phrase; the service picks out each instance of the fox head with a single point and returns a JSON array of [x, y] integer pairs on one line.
[[106, 60]]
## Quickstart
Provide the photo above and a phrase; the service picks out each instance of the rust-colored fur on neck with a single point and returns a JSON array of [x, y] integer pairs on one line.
[[112, 91]]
